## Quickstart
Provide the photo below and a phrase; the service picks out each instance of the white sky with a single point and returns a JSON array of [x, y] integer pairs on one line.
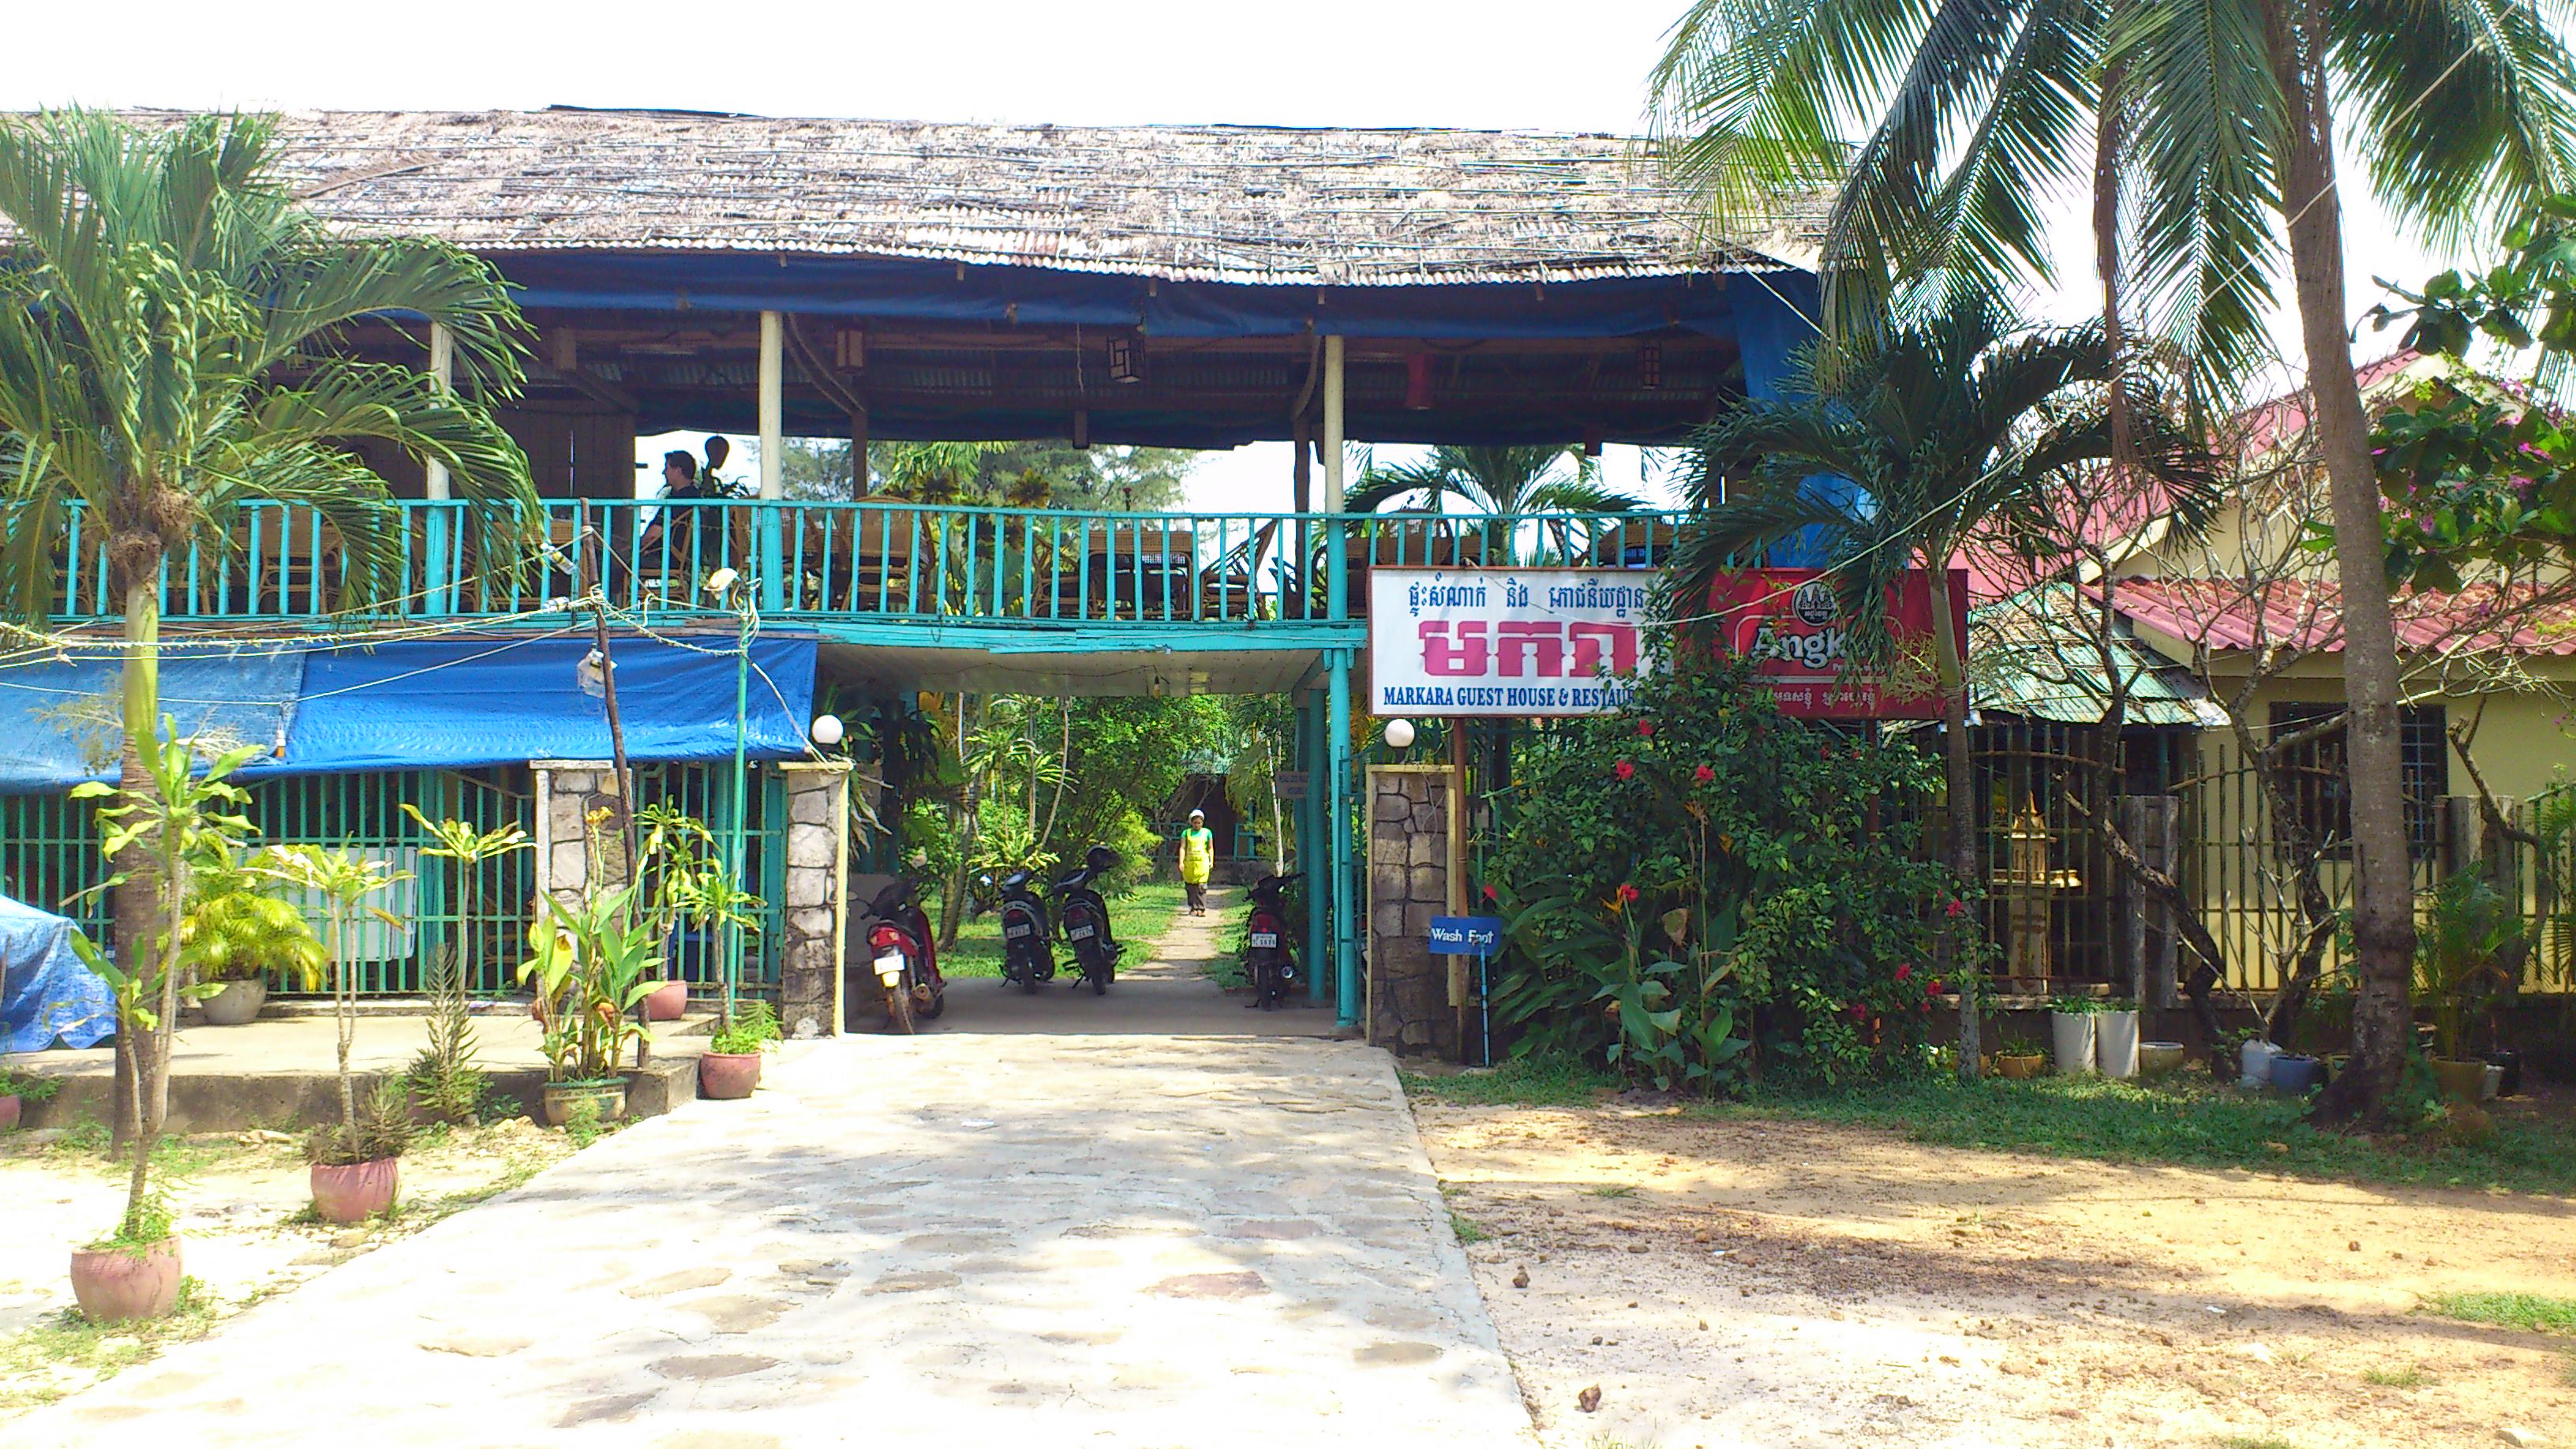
[[1496, 63]]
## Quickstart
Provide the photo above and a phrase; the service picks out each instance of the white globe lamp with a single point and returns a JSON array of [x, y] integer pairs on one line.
[[1399, 734], [827, 730]]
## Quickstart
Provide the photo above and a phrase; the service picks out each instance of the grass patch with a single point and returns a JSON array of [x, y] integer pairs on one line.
[[2255, 1441], [2184, 1120], [2531, 1312], [2409, 1377], [31, 1359], [1137, 919], [1520, 1082], [1468, 1229], [1613, 1189]]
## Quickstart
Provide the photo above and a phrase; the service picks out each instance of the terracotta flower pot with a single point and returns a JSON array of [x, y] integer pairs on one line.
[[2022, 1068], [728, 1076], [560, 1096], [115, 1285], [236, 1004], [2459, 1081], [357, 1191], [10, 1111], [667, 1001]]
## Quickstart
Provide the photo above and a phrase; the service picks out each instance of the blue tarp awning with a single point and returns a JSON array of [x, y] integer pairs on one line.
[[424, 704]]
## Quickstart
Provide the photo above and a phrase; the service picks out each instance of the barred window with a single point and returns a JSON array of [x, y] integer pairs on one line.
[[2320, 778]]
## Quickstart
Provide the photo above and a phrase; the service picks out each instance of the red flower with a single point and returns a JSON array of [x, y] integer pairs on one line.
[[1627, 893], [1904, 971], [1645, 729], [1932, 990], [1489, 893], [1703, 774], [1857, 1011], [1623, 770], [1956, 909]]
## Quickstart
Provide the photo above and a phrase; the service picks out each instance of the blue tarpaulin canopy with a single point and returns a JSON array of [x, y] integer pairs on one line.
[[426, 704], [46, 993]]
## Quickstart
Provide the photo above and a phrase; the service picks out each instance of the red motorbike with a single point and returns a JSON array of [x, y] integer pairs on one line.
[[901, 956], [1269, 958]]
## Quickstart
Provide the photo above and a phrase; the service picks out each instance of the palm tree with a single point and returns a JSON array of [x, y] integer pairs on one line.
[[171, 321], [2219, 117], [1946, 423], [1507, 482]]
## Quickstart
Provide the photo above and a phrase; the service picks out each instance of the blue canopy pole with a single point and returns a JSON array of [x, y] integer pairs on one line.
[[1313, 850], [1337, 826]]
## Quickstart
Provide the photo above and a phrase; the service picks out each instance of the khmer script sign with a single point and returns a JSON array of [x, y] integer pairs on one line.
[[1504, 641]]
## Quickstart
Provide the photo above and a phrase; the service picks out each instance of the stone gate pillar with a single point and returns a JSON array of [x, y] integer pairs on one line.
[[1411, 1005], [569, 860], [815, 912]]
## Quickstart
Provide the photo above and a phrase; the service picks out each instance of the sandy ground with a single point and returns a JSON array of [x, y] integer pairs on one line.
[[238, 1197], [1727, 1283]]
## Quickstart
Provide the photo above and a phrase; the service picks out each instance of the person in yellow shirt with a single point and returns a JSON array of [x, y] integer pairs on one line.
[[1198, 860]]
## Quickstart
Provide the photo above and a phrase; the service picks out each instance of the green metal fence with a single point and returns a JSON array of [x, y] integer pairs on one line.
[[49, 858]]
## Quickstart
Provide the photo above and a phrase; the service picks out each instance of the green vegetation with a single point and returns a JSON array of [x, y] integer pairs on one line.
[[2182, 1121], [1138, 917], [754, 1028], [2409, 1377], [32, 1361], [2533, 1312], [1469, 1230], [2255, 1441]]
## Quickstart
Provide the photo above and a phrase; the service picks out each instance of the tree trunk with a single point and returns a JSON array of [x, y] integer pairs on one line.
[[2383, 921], [136, 905], [1961, 787]]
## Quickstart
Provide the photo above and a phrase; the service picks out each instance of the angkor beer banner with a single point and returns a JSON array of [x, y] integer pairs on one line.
[[1791, 623], [1504, 641]]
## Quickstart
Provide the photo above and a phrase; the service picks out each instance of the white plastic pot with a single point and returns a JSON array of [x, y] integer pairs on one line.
[[2254, 1064], [2115, 1043], [2073, 1035]]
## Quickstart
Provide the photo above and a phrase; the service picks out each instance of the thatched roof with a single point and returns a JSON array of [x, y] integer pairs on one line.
[[1185, 203]]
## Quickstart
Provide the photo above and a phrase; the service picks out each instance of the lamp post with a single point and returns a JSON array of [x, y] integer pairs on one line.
[[733, 589]]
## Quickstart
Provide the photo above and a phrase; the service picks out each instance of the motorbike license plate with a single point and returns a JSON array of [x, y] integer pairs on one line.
[[1016, 932], [1268, 939], [1081, 933], [890, 969]]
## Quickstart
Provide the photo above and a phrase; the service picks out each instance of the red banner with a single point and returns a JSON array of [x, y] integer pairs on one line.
[[1790, 622]]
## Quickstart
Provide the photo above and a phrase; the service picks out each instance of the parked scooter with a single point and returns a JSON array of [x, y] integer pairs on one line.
[[1086, 919], [1268, 956], [1027, 958], [901, 954]]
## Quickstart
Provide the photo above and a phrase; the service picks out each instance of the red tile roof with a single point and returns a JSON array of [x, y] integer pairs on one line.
[[2308, 615]]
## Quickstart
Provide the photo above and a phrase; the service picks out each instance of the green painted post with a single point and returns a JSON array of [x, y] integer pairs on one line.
[[1314, 852], [734, 844], [1337, 826]]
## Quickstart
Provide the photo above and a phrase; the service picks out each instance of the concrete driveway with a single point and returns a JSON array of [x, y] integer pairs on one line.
[[959, 1238]]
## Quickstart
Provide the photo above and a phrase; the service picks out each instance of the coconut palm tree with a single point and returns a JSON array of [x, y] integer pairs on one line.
[[1947, 424], [1509, 482], [2217, 117], [171, 328]]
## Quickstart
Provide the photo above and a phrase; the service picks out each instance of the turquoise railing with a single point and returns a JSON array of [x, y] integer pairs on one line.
[[832, 559]]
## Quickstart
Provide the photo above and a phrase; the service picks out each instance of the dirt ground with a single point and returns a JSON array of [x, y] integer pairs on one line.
[[1749, 1282], [242, 1200]]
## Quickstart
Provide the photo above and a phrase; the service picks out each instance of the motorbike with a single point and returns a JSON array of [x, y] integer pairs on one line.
[[1269, 957], [902, 953], [1085, 918], [1027, 958]]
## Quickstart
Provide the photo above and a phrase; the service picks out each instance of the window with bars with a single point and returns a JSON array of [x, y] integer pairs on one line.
[[2320, 778]]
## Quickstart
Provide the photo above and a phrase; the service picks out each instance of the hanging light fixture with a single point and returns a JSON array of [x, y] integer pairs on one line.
[[1126, 360]]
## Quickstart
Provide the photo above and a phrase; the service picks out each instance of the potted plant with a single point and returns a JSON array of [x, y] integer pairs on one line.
[[2020, 1059], [681, 864], [2467, 922], [17, 1090], [588, 970], [357, 1166], [348, 1175], [185, 821], [730, 1069], [237, 933], [2115, 1038], [2070, 1026]]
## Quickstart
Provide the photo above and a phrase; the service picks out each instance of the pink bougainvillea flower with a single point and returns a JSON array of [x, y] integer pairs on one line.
[[1956, 909], [1703, 774], [1904, 971], [1623, 770], [1645, 729]]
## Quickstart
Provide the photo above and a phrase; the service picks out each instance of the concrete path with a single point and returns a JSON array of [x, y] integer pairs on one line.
[[963, 1239]]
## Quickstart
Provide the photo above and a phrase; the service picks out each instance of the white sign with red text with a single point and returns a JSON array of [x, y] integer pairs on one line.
[[1504, 641]]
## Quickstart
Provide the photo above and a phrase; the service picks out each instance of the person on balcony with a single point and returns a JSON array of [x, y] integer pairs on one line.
[[666, 545], [1198, 860]]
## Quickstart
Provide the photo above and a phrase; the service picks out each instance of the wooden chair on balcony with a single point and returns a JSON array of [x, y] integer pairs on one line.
[[860, 561], [1634, 543], [1413, 541], [1143, 572], [282, 561]]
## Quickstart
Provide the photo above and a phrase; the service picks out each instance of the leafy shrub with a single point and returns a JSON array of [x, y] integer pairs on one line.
[[754, 1028], [444, 1076], [383, 1129], [1700, 891]]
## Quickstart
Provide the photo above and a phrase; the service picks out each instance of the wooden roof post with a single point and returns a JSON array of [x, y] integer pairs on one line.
[[442, 375], [773, 406]]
